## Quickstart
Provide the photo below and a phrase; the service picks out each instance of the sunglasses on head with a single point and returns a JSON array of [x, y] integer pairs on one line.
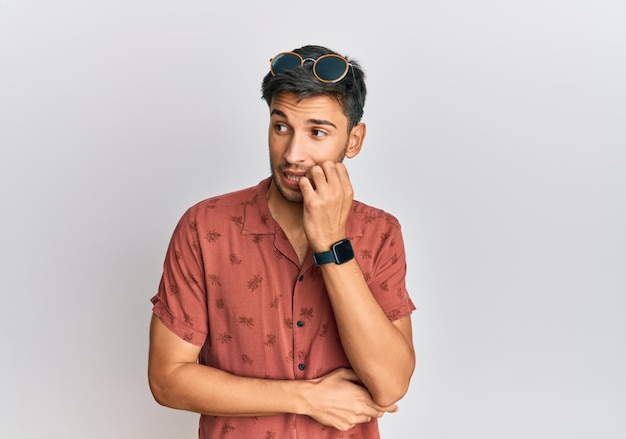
[[327, 68]]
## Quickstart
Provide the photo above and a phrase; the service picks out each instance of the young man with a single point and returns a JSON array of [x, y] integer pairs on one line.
[[282, 311]]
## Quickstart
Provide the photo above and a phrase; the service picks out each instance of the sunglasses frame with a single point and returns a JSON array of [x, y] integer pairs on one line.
[[315, 61]]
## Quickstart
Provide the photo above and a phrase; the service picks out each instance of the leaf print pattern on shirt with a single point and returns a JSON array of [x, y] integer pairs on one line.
[[214, 280], [254, 283], [289, 357], [369, 218], [394, 315], [228, 428], [191, 280], [253, 200], [212, 202], [323, 330], [270, 340], [234, 259], [316, 273], [384, 237], [212, 236], [187, 319], [237, 220], [306, 313], [274, 303], [173, 289], [246, 321], [257, 239], [224, 338], [195, 244]]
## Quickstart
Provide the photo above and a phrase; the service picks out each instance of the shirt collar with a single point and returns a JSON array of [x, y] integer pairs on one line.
[[257, 218]]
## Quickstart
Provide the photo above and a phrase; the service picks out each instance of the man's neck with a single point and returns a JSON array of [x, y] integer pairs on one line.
[[289, 217], [285, 213]]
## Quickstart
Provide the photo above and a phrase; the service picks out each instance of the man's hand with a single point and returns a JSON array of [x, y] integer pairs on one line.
[[337, 400], [327, 197]]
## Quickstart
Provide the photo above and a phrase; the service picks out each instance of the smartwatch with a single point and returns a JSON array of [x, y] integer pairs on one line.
[[340, 252]]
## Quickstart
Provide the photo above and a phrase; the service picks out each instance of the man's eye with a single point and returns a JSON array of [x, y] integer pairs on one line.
[[318, 133], [280, 128]]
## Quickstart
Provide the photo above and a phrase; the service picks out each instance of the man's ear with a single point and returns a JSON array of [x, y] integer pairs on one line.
[[355, 140]]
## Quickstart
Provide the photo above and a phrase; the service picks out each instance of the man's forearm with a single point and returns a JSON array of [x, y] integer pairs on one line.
[[206, 390], [334, 400], [378, 350]]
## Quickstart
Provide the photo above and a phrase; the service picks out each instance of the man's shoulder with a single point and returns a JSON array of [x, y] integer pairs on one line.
[[229, 200], [367, 214]]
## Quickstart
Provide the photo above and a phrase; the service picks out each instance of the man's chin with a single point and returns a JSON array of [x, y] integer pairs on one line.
[[289, 195], [294, 201], [295, 198]]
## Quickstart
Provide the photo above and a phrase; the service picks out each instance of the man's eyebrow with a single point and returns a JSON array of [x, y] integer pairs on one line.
[[321, 122], [279, 113], [310, 121]]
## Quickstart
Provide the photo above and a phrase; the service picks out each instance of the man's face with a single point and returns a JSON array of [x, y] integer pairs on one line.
[[304, 133]]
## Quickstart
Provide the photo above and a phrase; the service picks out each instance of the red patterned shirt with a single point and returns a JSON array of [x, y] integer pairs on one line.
[[232, 284]]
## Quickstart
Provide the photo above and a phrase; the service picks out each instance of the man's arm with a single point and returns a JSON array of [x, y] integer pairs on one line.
[[380, 351], [178, 381]]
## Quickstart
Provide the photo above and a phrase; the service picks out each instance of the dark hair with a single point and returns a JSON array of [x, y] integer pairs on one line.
[[350, 91]]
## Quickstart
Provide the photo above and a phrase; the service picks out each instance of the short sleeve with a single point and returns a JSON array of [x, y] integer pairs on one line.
[[180, 302], [388, 277]]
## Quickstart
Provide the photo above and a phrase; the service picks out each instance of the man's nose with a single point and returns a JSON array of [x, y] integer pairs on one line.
[[296, 149]]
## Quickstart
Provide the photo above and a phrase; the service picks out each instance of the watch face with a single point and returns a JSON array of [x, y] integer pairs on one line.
[[343, 251]]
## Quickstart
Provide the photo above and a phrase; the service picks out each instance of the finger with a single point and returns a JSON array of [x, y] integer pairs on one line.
[[390, 409], [317, 175], [330, 172], [342, 173], [306, 187], [383, 409], [341, 169], [338, 178], [372, 413]]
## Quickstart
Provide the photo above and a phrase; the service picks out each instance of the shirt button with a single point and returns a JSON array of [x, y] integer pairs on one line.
[[301, 278], [301, 366], [300, 323]]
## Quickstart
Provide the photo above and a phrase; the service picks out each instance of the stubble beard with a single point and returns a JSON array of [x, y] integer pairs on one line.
[[293, 196], [289, 195]]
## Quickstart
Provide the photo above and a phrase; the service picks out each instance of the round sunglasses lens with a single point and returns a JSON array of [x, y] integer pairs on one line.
[[284, 62], [331, 68]]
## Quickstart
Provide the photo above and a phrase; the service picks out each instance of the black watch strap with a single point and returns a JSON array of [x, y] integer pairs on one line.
[[340, 252]]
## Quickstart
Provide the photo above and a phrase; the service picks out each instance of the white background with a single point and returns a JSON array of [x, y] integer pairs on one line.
[[496, 134]]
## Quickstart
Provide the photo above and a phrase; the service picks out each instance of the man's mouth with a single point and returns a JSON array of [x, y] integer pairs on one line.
[[295, 178]]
